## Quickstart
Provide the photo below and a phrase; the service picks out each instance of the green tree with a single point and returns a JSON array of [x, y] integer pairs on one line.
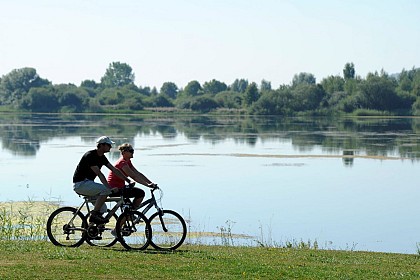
[[229, 99], [333, 84], [409, 82], [89, 84], [251, 94], [204, 103], [239, 85], [17, 83], [265, 86], [406, 88], [416, 107], [117, 75], [40, 99], [135, 102], [334, 90], [169, 89], [415, 84], [377, 92], [348, 103], [193, 88], [160, 100], [351, 86], [306, 97], [154, 91], [147, 91], [276, 102], [303, 78], [349, 72], [404, 82], [91, 87], [110, 96], [214, 86], [124, 98], [71, 98]]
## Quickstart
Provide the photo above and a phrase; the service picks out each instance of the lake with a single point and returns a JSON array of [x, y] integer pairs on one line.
[[346, 183]]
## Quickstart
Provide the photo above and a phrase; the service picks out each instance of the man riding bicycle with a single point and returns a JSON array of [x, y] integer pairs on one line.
[[88, 169]]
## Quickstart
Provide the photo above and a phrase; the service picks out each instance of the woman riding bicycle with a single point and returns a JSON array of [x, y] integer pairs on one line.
[[125, 165]]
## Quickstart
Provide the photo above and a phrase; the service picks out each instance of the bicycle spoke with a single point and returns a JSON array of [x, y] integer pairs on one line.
[[168, 230], [104, 235], [133, 230], [66, 227]]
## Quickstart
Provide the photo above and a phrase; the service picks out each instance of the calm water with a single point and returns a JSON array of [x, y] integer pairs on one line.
[[346, 183]]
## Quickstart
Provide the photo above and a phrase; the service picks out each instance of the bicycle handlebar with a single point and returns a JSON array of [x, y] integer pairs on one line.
[[152, 186]]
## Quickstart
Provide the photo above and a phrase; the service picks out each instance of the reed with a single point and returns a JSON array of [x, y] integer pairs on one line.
[[27, 220]]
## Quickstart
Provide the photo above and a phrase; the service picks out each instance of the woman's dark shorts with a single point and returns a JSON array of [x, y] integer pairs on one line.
[[130, 192]]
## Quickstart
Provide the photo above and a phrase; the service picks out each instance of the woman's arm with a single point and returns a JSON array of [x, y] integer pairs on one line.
[[136, 175]]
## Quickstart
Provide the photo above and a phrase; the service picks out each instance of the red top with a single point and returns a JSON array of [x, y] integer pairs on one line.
[[113, 180]]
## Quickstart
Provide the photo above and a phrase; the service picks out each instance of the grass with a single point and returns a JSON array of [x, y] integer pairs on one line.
[[26, 254], [42, 260]]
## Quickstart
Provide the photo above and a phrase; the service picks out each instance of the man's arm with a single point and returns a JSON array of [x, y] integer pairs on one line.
[[100, 175]]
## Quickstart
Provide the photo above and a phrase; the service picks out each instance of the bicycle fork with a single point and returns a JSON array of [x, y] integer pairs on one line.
[[160, 214], [69, 227]]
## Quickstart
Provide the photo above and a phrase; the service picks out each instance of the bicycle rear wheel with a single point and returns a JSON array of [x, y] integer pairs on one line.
[[168, 230], [105, 237], [133, 230], [66, 227]]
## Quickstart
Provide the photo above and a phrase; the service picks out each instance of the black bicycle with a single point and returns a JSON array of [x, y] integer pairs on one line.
[[68, 226], [168, 228], [164, 230]]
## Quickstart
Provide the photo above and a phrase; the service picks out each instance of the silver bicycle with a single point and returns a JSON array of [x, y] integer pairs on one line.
[[168, 228]]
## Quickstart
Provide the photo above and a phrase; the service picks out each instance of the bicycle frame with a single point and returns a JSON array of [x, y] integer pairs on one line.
[[149, 203], [119, 202]]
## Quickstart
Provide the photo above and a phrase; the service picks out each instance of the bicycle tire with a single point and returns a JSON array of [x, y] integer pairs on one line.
[[176, 230], [63, 230], [133, 230], [107, 239]]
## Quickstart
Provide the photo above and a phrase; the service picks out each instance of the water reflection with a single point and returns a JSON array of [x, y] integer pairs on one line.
[[304, 178], [23, 134], [348, 157]]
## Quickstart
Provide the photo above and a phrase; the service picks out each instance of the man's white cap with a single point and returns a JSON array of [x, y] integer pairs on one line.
[[104, 139]]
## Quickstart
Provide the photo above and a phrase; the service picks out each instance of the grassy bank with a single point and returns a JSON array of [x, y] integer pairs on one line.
[[42, 260], [26, 255]]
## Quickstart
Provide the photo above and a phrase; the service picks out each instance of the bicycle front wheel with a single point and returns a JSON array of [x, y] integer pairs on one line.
[[105, 237], [66, 227], [168, 230], [133, 230]]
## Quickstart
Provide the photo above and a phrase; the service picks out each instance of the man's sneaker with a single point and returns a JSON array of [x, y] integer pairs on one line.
[[95, 217], [114, 233]]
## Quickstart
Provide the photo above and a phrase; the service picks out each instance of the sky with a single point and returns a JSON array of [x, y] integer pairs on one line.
[[184, 40]]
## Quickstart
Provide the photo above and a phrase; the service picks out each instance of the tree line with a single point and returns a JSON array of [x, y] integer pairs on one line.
[[377, 93]]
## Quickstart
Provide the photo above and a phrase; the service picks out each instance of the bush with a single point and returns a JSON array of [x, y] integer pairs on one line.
[[204, 104]]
